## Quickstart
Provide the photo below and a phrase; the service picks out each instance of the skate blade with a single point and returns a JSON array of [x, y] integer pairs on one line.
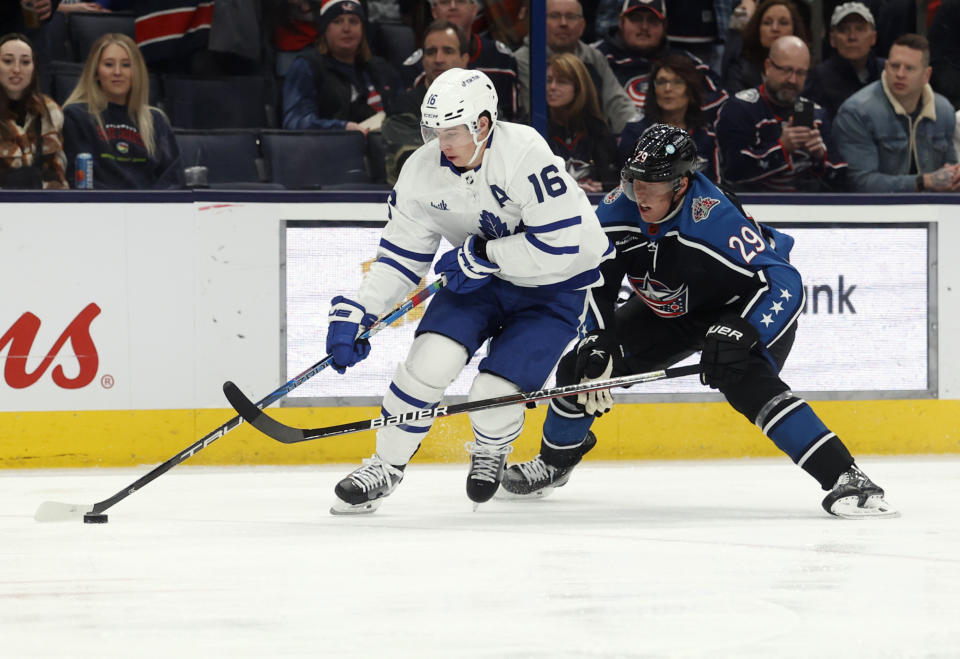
[[873, 508], [343, 508], [506, 495]]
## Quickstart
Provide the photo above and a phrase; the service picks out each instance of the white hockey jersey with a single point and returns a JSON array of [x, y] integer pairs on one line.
[[541, 228]]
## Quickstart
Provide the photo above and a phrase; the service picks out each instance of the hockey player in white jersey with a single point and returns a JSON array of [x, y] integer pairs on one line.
[[527, 248]]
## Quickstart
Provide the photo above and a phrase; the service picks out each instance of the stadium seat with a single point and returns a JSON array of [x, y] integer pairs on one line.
[[232, 157], [316, 159], [84, 28], [223, 102]]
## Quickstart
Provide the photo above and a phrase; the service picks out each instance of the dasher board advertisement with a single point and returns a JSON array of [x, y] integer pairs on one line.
[[864, 331]]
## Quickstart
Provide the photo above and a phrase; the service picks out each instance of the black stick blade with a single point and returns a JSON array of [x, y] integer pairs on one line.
[[256, 418]]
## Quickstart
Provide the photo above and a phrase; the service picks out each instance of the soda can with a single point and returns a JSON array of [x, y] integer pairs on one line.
[[83, 172]]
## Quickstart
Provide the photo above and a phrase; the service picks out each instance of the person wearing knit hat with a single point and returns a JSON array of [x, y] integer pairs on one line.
[[331, 9], [338, 84]]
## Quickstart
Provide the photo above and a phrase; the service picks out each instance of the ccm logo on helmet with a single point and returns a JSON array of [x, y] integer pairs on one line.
[[723, 330], [472, 78]]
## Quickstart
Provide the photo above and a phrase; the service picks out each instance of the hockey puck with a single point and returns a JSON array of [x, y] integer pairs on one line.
[[91, 518]]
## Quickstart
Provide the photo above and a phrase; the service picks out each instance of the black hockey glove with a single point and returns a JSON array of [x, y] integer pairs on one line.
[[726, 351], [595, 358]]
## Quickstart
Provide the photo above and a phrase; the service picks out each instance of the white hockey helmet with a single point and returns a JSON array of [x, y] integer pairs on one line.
[[458, 97]]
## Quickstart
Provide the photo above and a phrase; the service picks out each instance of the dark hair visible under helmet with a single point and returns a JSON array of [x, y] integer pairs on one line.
[[663, 153]]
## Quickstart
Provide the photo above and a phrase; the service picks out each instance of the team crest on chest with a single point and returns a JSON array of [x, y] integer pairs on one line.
[[664, 301], [702, 207]]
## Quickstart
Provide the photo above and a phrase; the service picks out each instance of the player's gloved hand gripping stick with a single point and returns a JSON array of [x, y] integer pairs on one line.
[[269, 426], [53, 511]]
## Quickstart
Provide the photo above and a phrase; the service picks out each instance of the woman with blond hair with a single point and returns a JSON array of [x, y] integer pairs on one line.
[[576, 130], [109, 117], [31, 144]]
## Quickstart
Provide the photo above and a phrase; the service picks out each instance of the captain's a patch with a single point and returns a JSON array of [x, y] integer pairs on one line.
[[702, 207]]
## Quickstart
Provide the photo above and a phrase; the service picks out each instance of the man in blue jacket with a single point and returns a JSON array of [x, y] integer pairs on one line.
[[896, 134]]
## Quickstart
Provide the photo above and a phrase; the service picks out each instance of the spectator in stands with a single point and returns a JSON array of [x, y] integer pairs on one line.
[[700, 27], [338, 84], [639, 43], [174, 35], [294, 30], [853, 34], [746, 52], [507, 21], [678, 89], [31, 124], [897, 133], [487, 55], [78, 6], [108, 116], [766, 143], [577, 131], [944, 36], [565, 25], [11, 13], [445, 46], [956, 136]]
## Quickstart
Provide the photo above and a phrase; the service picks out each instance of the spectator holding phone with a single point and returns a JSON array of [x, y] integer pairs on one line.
[[771, 138], [897, 133]]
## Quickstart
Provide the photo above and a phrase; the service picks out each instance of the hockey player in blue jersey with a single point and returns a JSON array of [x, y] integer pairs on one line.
[[528, 246], [706, 278]]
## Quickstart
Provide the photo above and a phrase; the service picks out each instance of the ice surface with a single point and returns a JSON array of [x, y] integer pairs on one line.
[[645, 559]]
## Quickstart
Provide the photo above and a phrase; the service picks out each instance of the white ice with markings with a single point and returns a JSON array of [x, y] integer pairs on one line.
[[645, 559]]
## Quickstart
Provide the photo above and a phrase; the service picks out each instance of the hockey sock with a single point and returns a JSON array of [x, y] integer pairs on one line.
[[797, 431]]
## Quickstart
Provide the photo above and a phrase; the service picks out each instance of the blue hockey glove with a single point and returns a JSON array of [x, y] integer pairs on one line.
[[467, 267], [346, 320], [596, 354], [726, 351]]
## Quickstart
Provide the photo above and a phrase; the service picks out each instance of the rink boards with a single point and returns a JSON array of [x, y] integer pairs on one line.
[[123, 314]]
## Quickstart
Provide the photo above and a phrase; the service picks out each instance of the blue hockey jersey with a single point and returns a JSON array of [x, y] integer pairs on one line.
[[708, 256]]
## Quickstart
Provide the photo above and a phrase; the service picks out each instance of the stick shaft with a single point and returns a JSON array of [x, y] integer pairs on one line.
[[205, 441], [291, 435]]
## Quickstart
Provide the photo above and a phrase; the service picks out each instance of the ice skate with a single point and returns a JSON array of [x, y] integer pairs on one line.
[[536, 479], [486, 469], [855, 496], [366, 487]]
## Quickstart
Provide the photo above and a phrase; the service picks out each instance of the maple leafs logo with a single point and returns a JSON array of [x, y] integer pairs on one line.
[[491, 226]]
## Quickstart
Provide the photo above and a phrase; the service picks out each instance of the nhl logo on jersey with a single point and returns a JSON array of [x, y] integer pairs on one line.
[[613, 195], [702, 207]]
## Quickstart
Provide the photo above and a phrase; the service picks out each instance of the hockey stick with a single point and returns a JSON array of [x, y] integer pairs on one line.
[[53, 511], [290, 435]]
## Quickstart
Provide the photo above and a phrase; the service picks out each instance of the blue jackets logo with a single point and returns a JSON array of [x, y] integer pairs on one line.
[[662, 300]]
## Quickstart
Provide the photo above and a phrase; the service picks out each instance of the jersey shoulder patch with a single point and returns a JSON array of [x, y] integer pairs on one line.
[[503, 48], [613, 195], [749, 95], [701, 207], [415, 57]]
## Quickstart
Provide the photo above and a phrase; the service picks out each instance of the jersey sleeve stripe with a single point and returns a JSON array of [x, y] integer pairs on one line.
[[406, 272], [555, 226], [720, 257], [543, 247], [405, 253]]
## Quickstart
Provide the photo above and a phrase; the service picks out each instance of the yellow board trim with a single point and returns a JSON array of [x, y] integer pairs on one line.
[[661, 431]]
